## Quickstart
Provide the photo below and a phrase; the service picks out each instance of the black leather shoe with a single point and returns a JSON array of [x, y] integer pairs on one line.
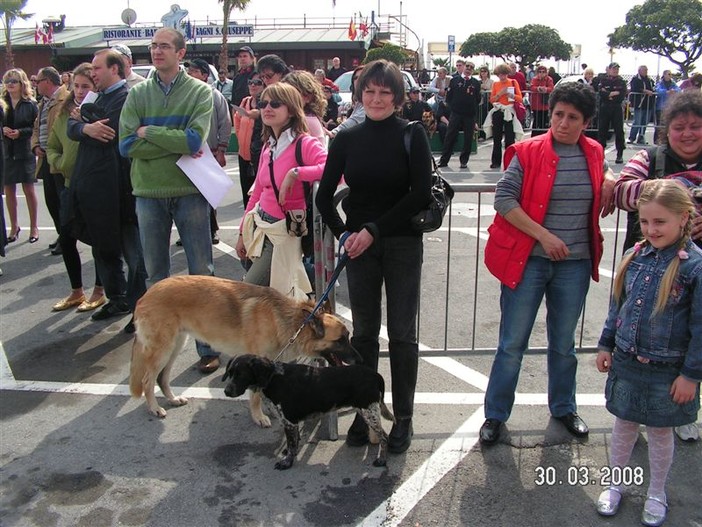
[[464, 165], [442, 165], [130, 327], [57, 251], [574, 424], [490, 431], [358, 433], [111, 309], [400, 436]]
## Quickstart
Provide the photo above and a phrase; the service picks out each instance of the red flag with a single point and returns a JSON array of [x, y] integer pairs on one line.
[[352, 30], [37, 34], [50, 35]]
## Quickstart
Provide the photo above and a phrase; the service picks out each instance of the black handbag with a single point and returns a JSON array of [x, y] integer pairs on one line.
[[430, 218]]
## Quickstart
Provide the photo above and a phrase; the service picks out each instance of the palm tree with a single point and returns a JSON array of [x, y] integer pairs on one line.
[[11, 10], [227, 7]]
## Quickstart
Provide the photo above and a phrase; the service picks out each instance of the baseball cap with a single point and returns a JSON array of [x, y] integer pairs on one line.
[[613, 65], [246, 49], [124, 50], [200, 65]]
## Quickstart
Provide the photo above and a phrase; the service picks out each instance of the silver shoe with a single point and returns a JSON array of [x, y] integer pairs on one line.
[[608, 502], [688, 433], [651, 519]]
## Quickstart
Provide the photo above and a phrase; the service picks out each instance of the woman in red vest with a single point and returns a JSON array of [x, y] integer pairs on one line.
[[546, 241]]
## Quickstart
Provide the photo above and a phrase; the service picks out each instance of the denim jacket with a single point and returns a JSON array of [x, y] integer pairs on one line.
[[673, 335]]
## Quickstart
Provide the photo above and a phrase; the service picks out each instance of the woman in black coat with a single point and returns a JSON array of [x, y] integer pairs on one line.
[[19, 161]]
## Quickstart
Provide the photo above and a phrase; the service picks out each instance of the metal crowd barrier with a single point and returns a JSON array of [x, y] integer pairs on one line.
[[459, 303]]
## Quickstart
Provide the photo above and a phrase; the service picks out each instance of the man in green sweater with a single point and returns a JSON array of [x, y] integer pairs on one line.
[[164, 118]]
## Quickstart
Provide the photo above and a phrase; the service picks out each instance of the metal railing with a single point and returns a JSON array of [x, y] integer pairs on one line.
[[459, 301]]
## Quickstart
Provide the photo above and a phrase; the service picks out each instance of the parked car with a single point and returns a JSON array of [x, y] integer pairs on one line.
[[344, 84], [147, 70]]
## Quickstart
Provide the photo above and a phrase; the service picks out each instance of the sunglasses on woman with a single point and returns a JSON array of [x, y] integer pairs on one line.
[[274, 104], [12, 81], [255, 82]]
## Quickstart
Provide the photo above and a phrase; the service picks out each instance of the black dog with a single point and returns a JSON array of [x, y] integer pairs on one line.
[[299, 391]]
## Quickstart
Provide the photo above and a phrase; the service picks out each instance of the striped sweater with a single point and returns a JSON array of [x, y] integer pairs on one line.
[[177, 124]]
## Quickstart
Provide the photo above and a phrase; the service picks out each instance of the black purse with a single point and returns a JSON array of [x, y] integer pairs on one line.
[[430, 218]]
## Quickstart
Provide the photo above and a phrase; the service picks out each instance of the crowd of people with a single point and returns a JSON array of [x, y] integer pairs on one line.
[[111, 180]]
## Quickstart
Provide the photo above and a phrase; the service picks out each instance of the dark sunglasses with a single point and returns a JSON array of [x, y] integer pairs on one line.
[[274, 104], [255, 82], [11, 81]]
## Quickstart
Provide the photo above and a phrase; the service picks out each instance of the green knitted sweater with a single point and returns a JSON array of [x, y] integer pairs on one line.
[[177, 124]]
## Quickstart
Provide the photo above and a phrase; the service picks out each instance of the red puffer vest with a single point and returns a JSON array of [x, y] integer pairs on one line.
[[507, 249]]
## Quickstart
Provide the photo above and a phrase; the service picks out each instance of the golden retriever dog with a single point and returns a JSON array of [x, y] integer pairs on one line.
[[232, 317]]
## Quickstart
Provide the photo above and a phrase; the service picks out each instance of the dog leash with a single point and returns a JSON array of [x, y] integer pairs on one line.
[[342, 259]]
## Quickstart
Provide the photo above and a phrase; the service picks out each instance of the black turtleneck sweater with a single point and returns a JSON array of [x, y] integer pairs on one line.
[[386, 187]]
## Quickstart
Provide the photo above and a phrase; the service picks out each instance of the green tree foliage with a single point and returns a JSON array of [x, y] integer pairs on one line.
[[669, 28], [441, 63], [227, 7], [389, 52], [523, 45], [11, 10]]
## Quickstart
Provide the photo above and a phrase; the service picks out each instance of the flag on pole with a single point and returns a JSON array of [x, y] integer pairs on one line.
[[352, 30], [37, 33], [50, 34]]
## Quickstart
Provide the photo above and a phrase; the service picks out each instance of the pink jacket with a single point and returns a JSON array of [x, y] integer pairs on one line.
[[314, 157]]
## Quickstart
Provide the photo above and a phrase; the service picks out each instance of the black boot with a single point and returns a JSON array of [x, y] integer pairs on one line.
[[400, 436], [358, 433]]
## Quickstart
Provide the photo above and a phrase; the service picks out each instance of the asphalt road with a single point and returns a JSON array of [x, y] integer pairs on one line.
[[76, 450]]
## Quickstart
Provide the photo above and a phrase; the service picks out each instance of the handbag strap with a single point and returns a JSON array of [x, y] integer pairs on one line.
[[298, 160], [407, 139]]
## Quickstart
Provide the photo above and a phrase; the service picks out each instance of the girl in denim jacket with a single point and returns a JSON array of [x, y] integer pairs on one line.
[[651, 344]]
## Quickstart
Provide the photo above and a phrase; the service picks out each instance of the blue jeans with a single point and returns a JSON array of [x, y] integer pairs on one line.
[[565, 285], [396, 262], [191, 215], [642, 116]]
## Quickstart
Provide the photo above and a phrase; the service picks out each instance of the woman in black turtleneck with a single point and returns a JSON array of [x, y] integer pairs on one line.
[[386, 188]]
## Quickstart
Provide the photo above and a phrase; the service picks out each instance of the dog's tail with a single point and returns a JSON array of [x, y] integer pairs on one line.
[[384, 410], [137, 369]]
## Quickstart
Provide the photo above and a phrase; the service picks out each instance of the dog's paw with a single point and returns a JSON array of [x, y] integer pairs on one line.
[[158, 412], [285, 463], [380, 462], [262, 420], [178, 401]]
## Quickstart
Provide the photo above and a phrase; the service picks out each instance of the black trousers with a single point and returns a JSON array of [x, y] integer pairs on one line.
[[247, 176], [53, 186], [458, 122], [500, 128], [611, 116]]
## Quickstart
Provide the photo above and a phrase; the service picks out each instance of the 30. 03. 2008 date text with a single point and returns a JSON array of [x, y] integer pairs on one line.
[[584, 475]]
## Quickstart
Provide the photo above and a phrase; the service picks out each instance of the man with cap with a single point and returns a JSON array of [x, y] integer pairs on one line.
[[220, 127], [612, 92], [463, 99], [132, 77], [413, 110], [240, 87]]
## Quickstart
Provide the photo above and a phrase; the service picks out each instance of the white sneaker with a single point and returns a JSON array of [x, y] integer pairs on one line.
[[688, 432]]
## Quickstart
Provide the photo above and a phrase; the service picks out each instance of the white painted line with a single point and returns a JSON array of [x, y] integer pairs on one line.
[[6, 375], [462, 372], [393, 510]]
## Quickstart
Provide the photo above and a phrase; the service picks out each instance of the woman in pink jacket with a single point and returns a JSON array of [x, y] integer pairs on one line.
[[263, 237]]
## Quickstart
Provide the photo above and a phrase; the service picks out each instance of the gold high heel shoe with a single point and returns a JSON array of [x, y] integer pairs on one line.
[[67, 303], [89, 306]]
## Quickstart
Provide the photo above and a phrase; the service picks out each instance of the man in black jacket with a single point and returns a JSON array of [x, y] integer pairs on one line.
[[102, 204], [611, 89], [240, 87], [463, 98], [643, 104]]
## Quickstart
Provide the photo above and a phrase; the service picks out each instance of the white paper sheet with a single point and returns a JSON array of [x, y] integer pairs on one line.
[[206, 174]]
